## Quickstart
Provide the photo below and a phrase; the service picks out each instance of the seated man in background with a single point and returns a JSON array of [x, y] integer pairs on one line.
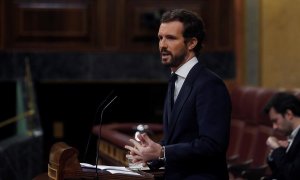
[[284, 159]]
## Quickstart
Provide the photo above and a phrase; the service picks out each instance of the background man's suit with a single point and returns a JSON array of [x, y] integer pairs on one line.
[[286, 165]]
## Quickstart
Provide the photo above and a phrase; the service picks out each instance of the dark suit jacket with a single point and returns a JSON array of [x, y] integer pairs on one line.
[[196, 139], [286, 166]]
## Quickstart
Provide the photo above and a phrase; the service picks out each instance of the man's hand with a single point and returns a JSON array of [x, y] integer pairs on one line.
[[144, 150], [274, 143]]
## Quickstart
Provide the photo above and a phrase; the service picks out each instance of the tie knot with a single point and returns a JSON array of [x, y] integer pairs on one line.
[[173, 77]]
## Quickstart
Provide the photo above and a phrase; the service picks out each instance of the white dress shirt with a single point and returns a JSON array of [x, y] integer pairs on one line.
[[182, 73]]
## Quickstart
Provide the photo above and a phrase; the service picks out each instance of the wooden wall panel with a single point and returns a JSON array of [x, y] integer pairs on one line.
[[110, 24], [50, 23], [145, 15], [224, 25], [145, 19], [107, 25], [239, 40]]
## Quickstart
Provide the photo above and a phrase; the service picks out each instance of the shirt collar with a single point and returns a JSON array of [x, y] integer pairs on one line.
[[185, 68], [294, 133]]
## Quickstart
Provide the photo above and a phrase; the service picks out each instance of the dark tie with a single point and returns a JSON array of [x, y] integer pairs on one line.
[[172, 84]]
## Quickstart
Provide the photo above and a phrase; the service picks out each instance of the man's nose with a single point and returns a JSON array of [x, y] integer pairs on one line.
[[162, 43]]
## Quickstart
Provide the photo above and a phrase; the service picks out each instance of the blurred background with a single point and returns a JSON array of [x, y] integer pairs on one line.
[[59, 59]]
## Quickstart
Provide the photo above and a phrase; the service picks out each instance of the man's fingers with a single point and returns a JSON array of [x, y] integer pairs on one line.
[[134, 158], [130, 148], [135, 143], [141, 138], [135, 149], [146, 137]]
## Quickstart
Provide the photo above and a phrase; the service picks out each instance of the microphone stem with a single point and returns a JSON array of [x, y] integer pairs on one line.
[[94, 122], [99, 135]]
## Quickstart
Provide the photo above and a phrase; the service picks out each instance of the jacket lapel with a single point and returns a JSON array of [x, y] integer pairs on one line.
[[181, 99], [295, 145], [169, 110], [173, 117]]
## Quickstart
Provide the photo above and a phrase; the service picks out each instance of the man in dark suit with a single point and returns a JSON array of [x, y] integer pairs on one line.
[[196, 127], [284, 159]]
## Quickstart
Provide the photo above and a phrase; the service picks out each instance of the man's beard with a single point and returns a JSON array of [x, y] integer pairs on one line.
[[176, 60], [287, 129]]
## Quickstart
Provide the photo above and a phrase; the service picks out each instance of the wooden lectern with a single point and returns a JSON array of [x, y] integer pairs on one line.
[[64, 164]]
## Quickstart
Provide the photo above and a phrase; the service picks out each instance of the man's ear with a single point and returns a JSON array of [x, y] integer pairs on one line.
[[192, 43], [289, 114]]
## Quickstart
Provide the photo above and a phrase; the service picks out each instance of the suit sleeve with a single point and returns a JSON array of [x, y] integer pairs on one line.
[[284, 166]]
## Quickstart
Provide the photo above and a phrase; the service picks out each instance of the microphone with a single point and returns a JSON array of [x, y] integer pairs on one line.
[[94, 122], [99, 135]]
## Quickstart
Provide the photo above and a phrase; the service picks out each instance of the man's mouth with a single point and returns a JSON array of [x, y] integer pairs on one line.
[[165, 54]]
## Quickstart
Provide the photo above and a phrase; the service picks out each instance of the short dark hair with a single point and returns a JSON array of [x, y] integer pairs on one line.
[[192, 23], [283, 101]]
